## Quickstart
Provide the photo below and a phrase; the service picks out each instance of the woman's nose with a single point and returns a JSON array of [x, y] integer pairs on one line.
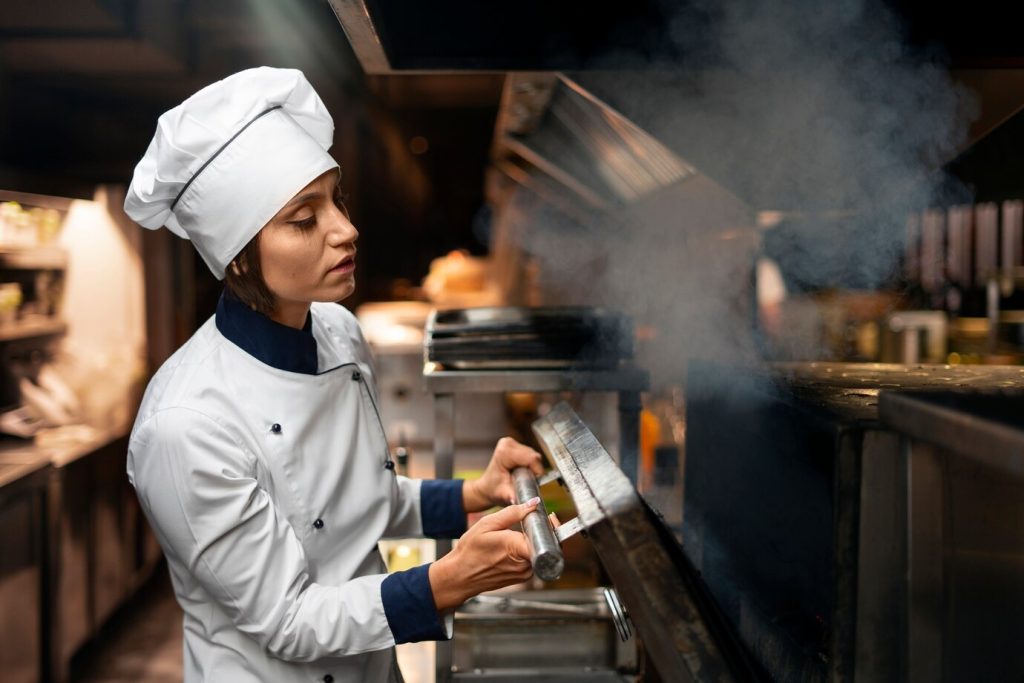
[[342, 230]]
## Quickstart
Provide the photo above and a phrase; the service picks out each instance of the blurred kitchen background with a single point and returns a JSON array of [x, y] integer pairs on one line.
[[752, 183]]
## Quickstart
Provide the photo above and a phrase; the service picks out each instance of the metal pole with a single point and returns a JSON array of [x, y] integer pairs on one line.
[[545, 552], [629, 434], [925, 536], [444, 456]]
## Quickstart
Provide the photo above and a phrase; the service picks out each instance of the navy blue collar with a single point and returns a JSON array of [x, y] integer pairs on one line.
[[277, 345]]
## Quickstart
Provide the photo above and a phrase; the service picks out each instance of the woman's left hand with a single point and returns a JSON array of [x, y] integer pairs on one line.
[[495, 486]]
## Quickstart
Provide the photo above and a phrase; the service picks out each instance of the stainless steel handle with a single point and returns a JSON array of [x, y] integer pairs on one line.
[[545, 553]]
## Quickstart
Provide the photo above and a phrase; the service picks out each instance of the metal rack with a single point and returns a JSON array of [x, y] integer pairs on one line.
[[626, 380]]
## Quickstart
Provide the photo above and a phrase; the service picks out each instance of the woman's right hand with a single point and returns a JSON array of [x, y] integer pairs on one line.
[[488, 556]]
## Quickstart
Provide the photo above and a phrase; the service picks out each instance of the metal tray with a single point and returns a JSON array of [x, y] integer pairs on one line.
[[510, 319], [513, 364], [554, 634], [512, 337]]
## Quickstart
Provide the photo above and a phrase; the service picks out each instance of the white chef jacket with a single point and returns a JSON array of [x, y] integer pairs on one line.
[[262, 466]]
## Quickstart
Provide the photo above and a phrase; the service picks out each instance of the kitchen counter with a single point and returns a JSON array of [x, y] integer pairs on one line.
[[877, 522], [80, 536], [849, 392], [22, 567], [19, 466], [57, 447]]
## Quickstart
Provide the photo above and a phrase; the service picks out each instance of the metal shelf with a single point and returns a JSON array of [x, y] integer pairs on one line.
[[44, 201], [625, 378], [40, 258], [30, 330]]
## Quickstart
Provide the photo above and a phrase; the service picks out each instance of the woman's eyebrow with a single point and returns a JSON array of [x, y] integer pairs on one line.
[[303, 198]]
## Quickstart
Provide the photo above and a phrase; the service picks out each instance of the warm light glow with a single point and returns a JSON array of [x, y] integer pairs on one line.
[[419, 145]]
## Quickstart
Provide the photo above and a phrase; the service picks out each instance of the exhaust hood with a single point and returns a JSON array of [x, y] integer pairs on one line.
[[554, 134], [557, 139], [594, 150]]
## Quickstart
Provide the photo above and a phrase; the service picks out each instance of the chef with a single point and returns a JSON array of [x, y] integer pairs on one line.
[[258, 453]]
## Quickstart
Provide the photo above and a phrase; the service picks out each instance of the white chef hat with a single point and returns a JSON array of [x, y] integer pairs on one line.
[[225, 160]]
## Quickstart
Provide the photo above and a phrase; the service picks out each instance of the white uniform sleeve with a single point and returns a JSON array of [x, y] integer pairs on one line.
[[405, 521], [198, 488]]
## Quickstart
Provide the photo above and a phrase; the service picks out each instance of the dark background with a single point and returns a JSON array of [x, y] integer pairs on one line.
[[82, 83]]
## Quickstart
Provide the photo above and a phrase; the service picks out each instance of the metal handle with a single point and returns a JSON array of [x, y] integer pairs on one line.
[[620, 617], [545, 553]]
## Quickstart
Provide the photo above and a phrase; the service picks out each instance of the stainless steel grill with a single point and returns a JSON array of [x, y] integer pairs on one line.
[[680, 630], [538, 337]]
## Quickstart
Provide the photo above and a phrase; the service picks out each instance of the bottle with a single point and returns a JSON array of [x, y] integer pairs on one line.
[[665, 492], [650, 437]]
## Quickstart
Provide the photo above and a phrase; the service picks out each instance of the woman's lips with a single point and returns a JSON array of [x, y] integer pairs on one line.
[[344, 266]]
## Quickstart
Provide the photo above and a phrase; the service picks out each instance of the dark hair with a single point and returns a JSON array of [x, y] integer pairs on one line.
[[244, 278]]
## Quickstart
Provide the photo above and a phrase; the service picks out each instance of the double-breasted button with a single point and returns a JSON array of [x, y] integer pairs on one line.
[[318, 524], [357, 376], [328, 678], [389, 464], [276, 428]]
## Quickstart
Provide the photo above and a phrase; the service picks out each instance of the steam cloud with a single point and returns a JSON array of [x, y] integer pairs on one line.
[[817, 110]]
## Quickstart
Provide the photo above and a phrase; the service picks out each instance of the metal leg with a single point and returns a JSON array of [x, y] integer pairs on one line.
[[629, 434], [925, 540], [881, 561], [444, 447], [444, 435], [444, 456], [56, 668], [846, 496]]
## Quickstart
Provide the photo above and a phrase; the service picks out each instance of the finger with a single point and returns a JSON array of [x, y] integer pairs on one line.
[[553, 518], [504, 491], [511, 454], [506, 517], [517, 547], [537, 465], [526, 457]]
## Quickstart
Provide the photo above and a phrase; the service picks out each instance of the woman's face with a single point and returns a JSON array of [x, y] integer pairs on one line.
[[307, 251]]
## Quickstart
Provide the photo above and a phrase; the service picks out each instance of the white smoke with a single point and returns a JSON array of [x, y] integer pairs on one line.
[[817, 110]]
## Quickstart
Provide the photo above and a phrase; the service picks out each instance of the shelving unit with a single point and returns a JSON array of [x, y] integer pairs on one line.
[[43, 201], [38, 271], [39, 258], [33, 330]]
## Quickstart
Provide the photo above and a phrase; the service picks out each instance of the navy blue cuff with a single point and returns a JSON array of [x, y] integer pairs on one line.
[[409, 606], [441, 508]]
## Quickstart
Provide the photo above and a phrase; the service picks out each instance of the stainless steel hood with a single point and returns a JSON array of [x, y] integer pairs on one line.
[[558, 139], [553, 135], [582, 143]]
